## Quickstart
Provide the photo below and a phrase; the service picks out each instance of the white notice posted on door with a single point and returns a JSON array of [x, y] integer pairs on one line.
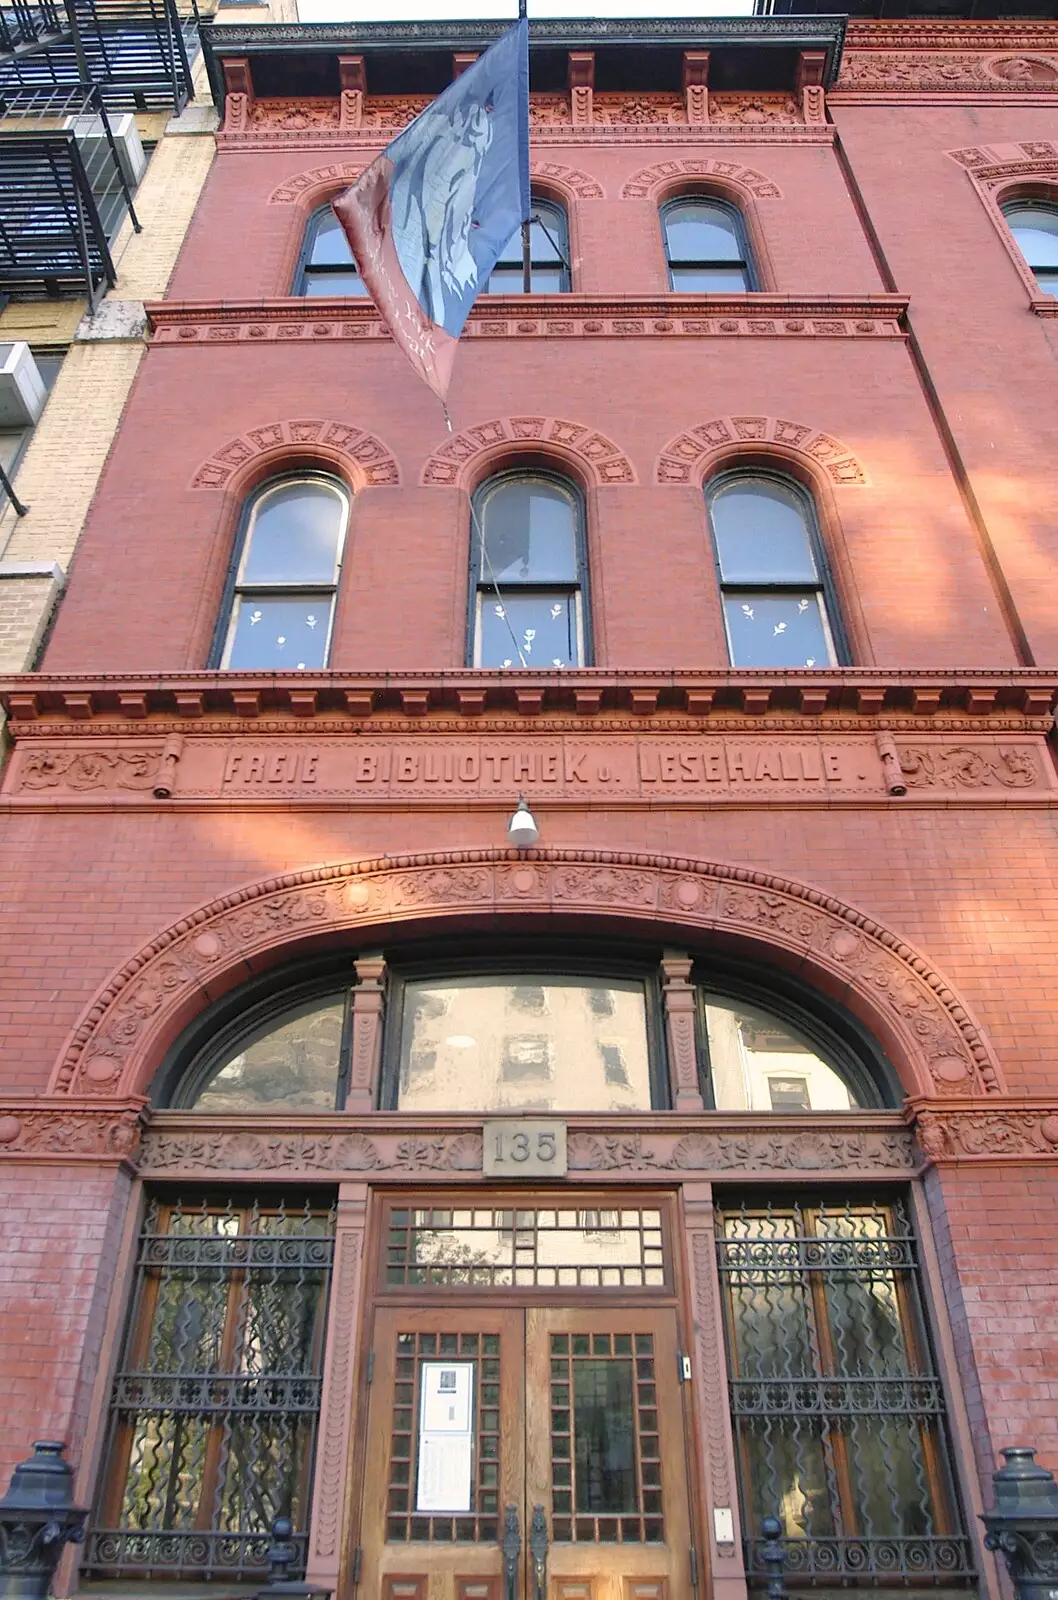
[[446, 1437]]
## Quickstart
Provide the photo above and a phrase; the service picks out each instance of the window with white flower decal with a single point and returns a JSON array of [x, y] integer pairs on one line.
[[528, 577], [279, 603], [775, 588]]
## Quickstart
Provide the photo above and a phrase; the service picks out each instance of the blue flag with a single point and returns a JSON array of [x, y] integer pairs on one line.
[[429, 218]]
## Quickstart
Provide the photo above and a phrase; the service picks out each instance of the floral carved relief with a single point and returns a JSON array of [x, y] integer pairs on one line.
[[115, 1047], [603, 460], [69, 1131], [581, 184], [754, 110], [648, 180], [1014, 1133], [949, 71], [963, 768], [316, 178], [684, 457], [369, 463]]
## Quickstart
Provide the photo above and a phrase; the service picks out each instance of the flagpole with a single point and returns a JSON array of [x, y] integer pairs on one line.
[[527, 266]]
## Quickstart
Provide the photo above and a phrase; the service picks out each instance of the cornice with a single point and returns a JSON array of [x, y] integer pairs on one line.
[[954, 34], [847, 699], [704, 137], [175, 324]]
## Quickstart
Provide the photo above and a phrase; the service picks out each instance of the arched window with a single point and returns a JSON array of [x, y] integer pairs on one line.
[[1034, 225], [706, 247], [327, 266], [279, 603], [548, 254], [777, 596], [528, 584]]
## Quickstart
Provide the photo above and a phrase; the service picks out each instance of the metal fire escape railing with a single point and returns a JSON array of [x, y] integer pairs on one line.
[[137, 53]]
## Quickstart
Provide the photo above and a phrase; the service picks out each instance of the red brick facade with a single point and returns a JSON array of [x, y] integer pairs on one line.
[[884, 831]]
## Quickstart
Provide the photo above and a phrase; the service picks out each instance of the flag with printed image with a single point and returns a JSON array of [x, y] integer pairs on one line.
[[429, 218]]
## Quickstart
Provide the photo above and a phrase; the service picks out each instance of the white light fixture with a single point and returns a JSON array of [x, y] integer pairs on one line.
[[522, 830]]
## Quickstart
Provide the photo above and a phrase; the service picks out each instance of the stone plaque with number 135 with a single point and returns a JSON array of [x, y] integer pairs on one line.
[[519, 1149]]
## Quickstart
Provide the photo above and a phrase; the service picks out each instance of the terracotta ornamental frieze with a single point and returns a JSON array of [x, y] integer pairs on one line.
[[679, 770], [386, 1147]]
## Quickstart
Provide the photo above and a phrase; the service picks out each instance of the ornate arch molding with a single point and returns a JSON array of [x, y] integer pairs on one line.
[[995, 170], [688, 455], [601, 460], [315, 180], [578, 183], [648, 181], [369, 462], [116, 1047]]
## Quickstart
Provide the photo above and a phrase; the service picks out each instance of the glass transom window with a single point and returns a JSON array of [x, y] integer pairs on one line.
[[528, 586], [1035, 230], [290, 1064], [511, 1043], [757, 1063]]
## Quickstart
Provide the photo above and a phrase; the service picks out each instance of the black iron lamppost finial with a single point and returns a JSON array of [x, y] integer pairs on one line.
[[773, 1555], [37, 1518], [1023, 1524]]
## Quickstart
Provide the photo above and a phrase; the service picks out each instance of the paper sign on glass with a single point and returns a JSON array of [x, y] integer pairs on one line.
[[446, 1437]]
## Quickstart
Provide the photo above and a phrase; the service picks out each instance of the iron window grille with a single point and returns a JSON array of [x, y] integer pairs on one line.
[[529, 574], [838, 1413], [549, 269], [215, 1406], [706, 247], [775, 585], [327, 265], [1034, 225]]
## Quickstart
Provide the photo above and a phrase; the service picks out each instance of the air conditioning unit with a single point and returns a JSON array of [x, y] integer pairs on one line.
[[22, 389], [95, 149]]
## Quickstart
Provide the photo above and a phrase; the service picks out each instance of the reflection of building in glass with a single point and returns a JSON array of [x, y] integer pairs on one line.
[[758, 1064], [493, 1043]]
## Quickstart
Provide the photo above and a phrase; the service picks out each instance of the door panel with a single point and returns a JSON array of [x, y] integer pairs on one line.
[[413, 1548], [575, 1411], [605, 1453]]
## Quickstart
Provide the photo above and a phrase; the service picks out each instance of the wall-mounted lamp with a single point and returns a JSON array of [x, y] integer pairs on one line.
[[522, 830]]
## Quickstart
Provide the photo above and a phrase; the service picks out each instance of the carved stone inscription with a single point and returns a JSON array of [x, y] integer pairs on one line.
[[681, 767]]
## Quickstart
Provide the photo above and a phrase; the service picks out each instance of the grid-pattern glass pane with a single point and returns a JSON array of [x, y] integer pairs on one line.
[[270, 633], [469, 1044], [705, 248], [1035, 229], [484, 1248], [839, 1416], [548, 255], [290, 1065], [329, 267], [757, 1063], [214, 1408], [479, 1524], [605, 1447]]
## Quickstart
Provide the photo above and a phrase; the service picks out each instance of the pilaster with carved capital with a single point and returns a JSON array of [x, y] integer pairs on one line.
[[678, 996], [369, 1000]]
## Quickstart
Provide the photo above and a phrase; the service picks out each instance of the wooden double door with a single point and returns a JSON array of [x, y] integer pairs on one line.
[[525, 1453]]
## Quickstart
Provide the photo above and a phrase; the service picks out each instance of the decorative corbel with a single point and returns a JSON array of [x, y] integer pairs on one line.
[[892, 771], [581, 86], [352, 81], [238, 94], [165, 778], [811, 66], [678, 997], [695, 92], [368, 1006], [461, 60]]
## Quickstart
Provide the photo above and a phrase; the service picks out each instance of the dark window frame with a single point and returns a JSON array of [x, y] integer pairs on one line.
[[824, 585], [551, 212], [1033, 203], [305, 271], [233, 589], [479, 585], [534, 971], [746, 262]]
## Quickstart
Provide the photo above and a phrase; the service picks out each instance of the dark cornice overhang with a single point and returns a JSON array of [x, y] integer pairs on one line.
[[638, 54]]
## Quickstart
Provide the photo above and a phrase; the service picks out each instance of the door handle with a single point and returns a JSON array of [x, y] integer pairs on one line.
[[511, 1546], [538, 1552]]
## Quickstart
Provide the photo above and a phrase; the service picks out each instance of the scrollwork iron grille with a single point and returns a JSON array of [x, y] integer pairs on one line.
[[214, 1408], [838, 1414]]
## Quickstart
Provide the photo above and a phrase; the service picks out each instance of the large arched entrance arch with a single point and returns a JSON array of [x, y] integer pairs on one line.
[[929, 1034]]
